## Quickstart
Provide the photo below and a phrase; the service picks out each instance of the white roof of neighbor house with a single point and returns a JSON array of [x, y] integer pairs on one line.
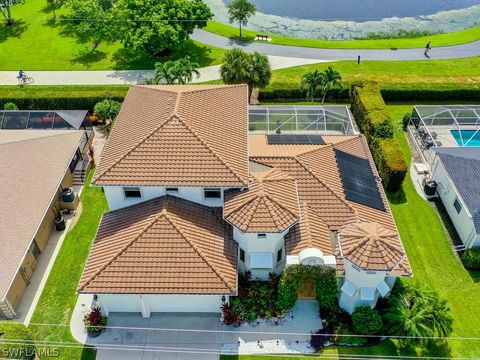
[[32, 166]]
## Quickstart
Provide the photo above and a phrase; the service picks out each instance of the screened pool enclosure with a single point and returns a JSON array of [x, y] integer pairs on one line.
[[434, 126], [284, 119], [47, 120]]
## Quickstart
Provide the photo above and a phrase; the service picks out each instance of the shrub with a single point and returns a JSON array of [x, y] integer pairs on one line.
[[72, 97], [325, 283], [390, 162], [406, 121], [366, 321], [10, 106], [12, 332], [229, 316], [430, 92], [95, 322], [318, 340], [288, 91], [370, 111], [471, 259]]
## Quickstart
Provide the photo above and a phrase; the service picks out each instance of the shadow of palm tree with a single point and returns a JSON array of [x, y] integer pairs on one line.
[[12, 31]]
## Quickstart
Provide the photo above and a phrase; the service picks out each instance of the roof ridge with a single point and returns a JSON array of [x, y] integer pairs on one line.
[[320, 147], [198, 251], [61, 133], [204, 143], [124, 248], [278, 203], [140, 142], [327, 187], [251, 198]]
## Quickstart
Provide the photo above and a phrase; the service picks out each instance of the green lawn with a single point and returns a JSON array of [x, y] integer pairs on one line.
[[434, 264], [392, 72], [36, 42], [448, 39], [59, 296], [453, 38]]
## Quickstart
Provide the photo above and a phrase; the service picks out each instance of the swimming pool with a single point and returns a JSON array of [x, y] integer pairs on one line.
[[467, 137]]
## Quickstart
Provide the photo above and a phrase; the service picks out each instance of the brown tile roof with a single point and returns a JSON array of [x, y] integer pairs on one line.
[[269, 205], [33, 163], [182, 135], [371, 246], [321, 192], [309, 232], [162, 246]]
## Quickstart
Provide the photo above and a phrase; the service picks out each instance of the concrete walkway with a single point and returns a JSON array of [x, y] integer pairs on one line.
[[119, 77], [450, 52], [45, 263]]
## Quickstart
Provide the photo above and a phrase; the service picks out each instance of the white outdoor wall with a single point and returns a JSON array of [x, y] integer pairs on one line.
[[361, 279], [252, 244], [462, 221], [160, 303], [116, 198]]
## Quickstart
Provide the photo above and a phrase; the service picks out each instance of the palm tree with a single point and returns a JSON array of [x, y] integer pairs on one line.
[[310, 82], [235, 67], [173, 72], [239, 67], [330, 78], [260, 72], [107, 110], [419, 313]]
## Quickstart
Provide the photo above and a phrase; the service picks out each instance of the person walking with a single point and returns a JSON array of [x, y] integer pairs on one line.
[[427, 49]]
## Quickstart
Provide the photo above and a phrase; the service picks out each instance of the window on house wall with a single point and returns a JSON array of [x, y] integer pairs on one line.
[[457, 205], [212, 193], [132, 192], [369, 272], [279, 255], [262, 236], [242, 255], [172, 190], [34, 249]]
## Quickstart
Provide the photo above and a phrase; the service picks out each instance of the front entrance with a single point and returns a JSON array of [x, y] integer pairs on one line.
[[307, 289]]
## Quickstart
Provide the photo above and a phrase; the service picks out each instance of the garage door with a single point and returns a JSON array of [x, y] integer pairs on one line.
[[161, 303]]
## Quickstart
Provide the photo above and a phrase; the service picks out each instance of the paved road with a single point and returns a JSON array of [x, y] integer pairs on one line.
[[458, 51], [117, 77]]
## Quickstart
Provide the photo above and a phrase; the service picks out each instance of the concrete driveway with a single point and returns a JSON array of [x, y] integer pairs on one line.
[[131, 337]]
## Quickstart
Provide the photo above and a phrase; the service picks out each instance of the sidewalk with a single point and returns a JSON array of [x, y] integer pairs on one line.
[[121, 77]]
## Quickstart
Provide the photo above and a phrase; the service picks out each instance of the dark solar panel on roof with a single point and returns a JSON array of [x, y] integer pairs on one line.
[[358, 180], [295, 139]]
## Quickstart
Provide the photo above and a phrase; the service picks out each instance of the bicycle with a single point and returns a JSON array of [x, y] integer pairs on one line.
[[25, 80]]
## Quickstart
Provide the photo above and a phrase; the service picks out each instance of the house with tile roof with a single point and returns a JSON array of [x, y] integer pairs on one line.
[[35, 166], [195, 199], [456, 169]]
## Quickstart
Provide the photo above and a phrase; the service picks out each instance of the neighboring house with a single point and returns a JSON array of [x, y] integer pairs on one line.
[[35, 166], [456, 171], [195, 199]]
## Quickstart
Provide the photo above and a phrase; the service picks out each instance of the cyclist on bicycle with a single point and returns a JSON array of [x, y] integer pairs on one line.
[[21, 75]]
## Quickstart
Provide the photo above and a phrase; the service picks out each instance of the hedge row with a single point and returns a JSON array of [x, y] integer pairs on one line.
[[430, 92], [278, 91], [60, 97], [373, 119], [390, 92]]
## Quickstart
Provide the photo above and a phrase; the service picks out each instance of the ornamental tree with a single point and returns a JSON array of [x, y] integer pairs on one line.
[[5, 6], [240, 11], [90, 20], [158, 27], [174, 72]]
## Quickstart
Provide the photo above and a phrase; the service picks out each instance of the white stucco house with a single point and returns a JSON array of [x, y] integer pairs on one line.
[[456, 170], [195, 199]]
